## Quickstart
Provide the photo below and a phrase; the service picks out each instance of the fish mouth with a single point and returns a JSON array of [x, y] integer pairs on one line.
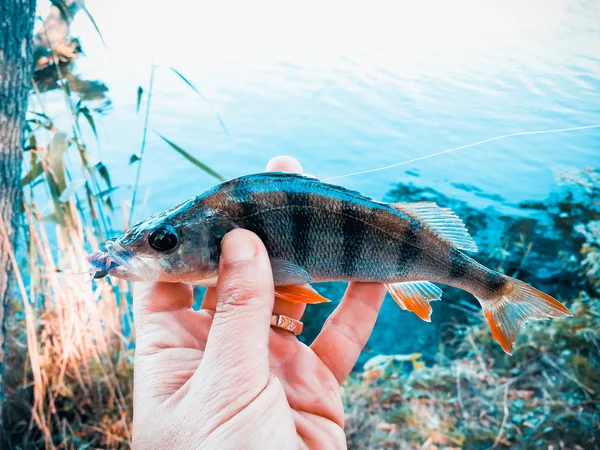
[[133, 264]]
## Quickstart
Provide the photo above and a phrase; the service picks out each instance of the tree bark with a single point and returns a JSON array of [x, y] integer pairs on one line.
[[16, 36]]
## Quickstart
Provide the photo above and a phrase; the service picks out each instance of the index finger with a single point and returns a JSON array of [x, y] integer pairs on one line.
[[286, 164], [348, 328]]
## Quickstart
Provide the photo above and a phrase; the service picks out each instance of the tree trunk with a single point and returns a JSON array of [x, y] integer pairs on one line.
[[16, 29]]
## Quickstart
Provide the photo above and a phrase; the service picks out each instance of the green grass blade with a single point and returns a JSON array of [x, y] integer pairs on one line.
[[88, 115], [186, 81], [103, 172], [107, 192], [191, 158], [140, 92], [85, 10], [56, 151], [35, 171]]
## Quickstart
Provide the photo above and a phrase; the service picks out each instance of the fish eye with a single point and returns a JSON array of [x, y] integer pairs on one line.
[[100, 274], [163, 239]]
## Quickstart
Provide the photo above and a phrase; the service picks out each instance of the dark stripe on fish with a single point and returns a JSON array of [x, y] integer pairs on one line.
[[354, 230], [300, 218], [496, 282], [250, 212], [458, 266], [408, 248]]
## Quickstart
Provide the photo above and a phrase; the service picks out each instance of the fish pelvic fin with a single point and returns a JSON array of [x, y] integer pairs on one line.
[[518, 304], [442, 222], [415, 296], [300, 293]]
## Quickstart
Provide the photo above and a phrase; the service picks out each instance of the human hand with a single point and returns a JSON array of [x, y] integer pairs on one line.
[[222, 378]]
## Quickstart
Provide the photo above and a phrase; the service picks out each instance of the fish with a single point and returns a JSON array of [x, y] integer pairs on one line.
[[317, 232]]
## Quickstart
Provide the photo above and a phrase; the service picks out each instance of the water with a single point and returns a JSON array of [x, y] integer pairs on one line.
[[345, 88]]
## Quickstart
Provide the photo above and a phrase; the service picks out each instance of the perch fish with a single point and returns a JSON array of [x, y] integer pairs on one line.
[[315, 232]]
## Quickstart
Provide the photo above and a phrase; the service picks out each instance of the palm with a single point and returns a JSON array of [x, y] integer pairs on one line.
[[310, 390]]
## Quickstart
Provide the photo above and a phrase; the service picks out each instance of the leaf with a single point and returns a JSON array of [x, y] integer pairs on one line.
[[65, 85], [85, 10], [35, 171], [186, 81], [140, 92], [88, 115], [109, 204], [191, 158], [103, 172], [106, 192], [39, 114], [134, 158], [32, 143], [57, 149], [46, 123]]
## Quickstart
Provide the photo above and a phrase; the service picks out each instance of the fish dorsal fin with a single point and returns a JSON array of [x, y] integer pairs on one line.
[[443, 222], [415, 296]]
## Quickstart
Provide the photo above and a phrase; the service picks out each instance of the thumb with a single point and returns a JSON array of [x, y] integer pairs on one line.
[[237, 345]]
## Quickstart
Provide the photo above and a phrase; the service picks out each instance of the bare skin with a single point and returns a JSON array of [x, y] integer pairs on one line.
[[223, 378]]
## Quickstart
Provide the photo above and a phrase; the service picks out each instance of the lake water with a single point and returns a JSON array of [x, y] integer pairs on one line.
[[344, 88]]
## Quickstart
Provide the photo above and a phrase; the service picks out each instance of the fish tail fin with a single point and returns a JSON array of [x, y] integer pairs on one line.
[[517, 304]]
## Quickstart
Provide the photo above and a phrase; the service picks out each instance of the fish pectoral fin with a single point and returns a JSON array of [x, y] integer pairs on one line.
[[287, 273], [303, 293], [415, 296], [442, 222]]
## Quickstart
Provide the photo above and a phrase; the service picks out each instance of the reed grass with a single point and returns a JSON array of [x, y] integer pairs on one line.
[[71, 340], [76, 376]]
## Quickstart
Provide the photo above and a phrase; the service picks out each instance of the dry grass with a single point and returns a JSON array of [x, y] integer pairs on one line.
[[78, 372], [69, 380]]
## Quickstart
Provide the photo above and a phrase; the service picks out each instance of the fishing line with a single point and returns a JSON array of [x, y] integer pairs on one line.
[[443, 152]]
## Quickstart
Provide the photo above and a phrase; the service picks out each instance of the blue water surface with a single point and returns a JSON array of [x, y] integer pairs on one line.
[[345, 88]]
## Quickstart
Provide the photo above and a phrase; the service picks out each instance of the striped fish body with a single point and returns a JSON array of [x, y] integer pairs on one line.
[[334, 233], [316, 232]]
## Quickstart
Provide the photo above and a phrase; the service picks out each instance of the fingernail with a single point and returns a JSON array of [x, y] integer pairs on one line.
[[237, 246]]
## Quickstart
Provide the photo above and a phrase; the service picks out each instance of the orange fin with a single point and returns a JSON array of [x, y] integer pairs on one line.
[[415, 296], [507, 314], [299, 293]]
